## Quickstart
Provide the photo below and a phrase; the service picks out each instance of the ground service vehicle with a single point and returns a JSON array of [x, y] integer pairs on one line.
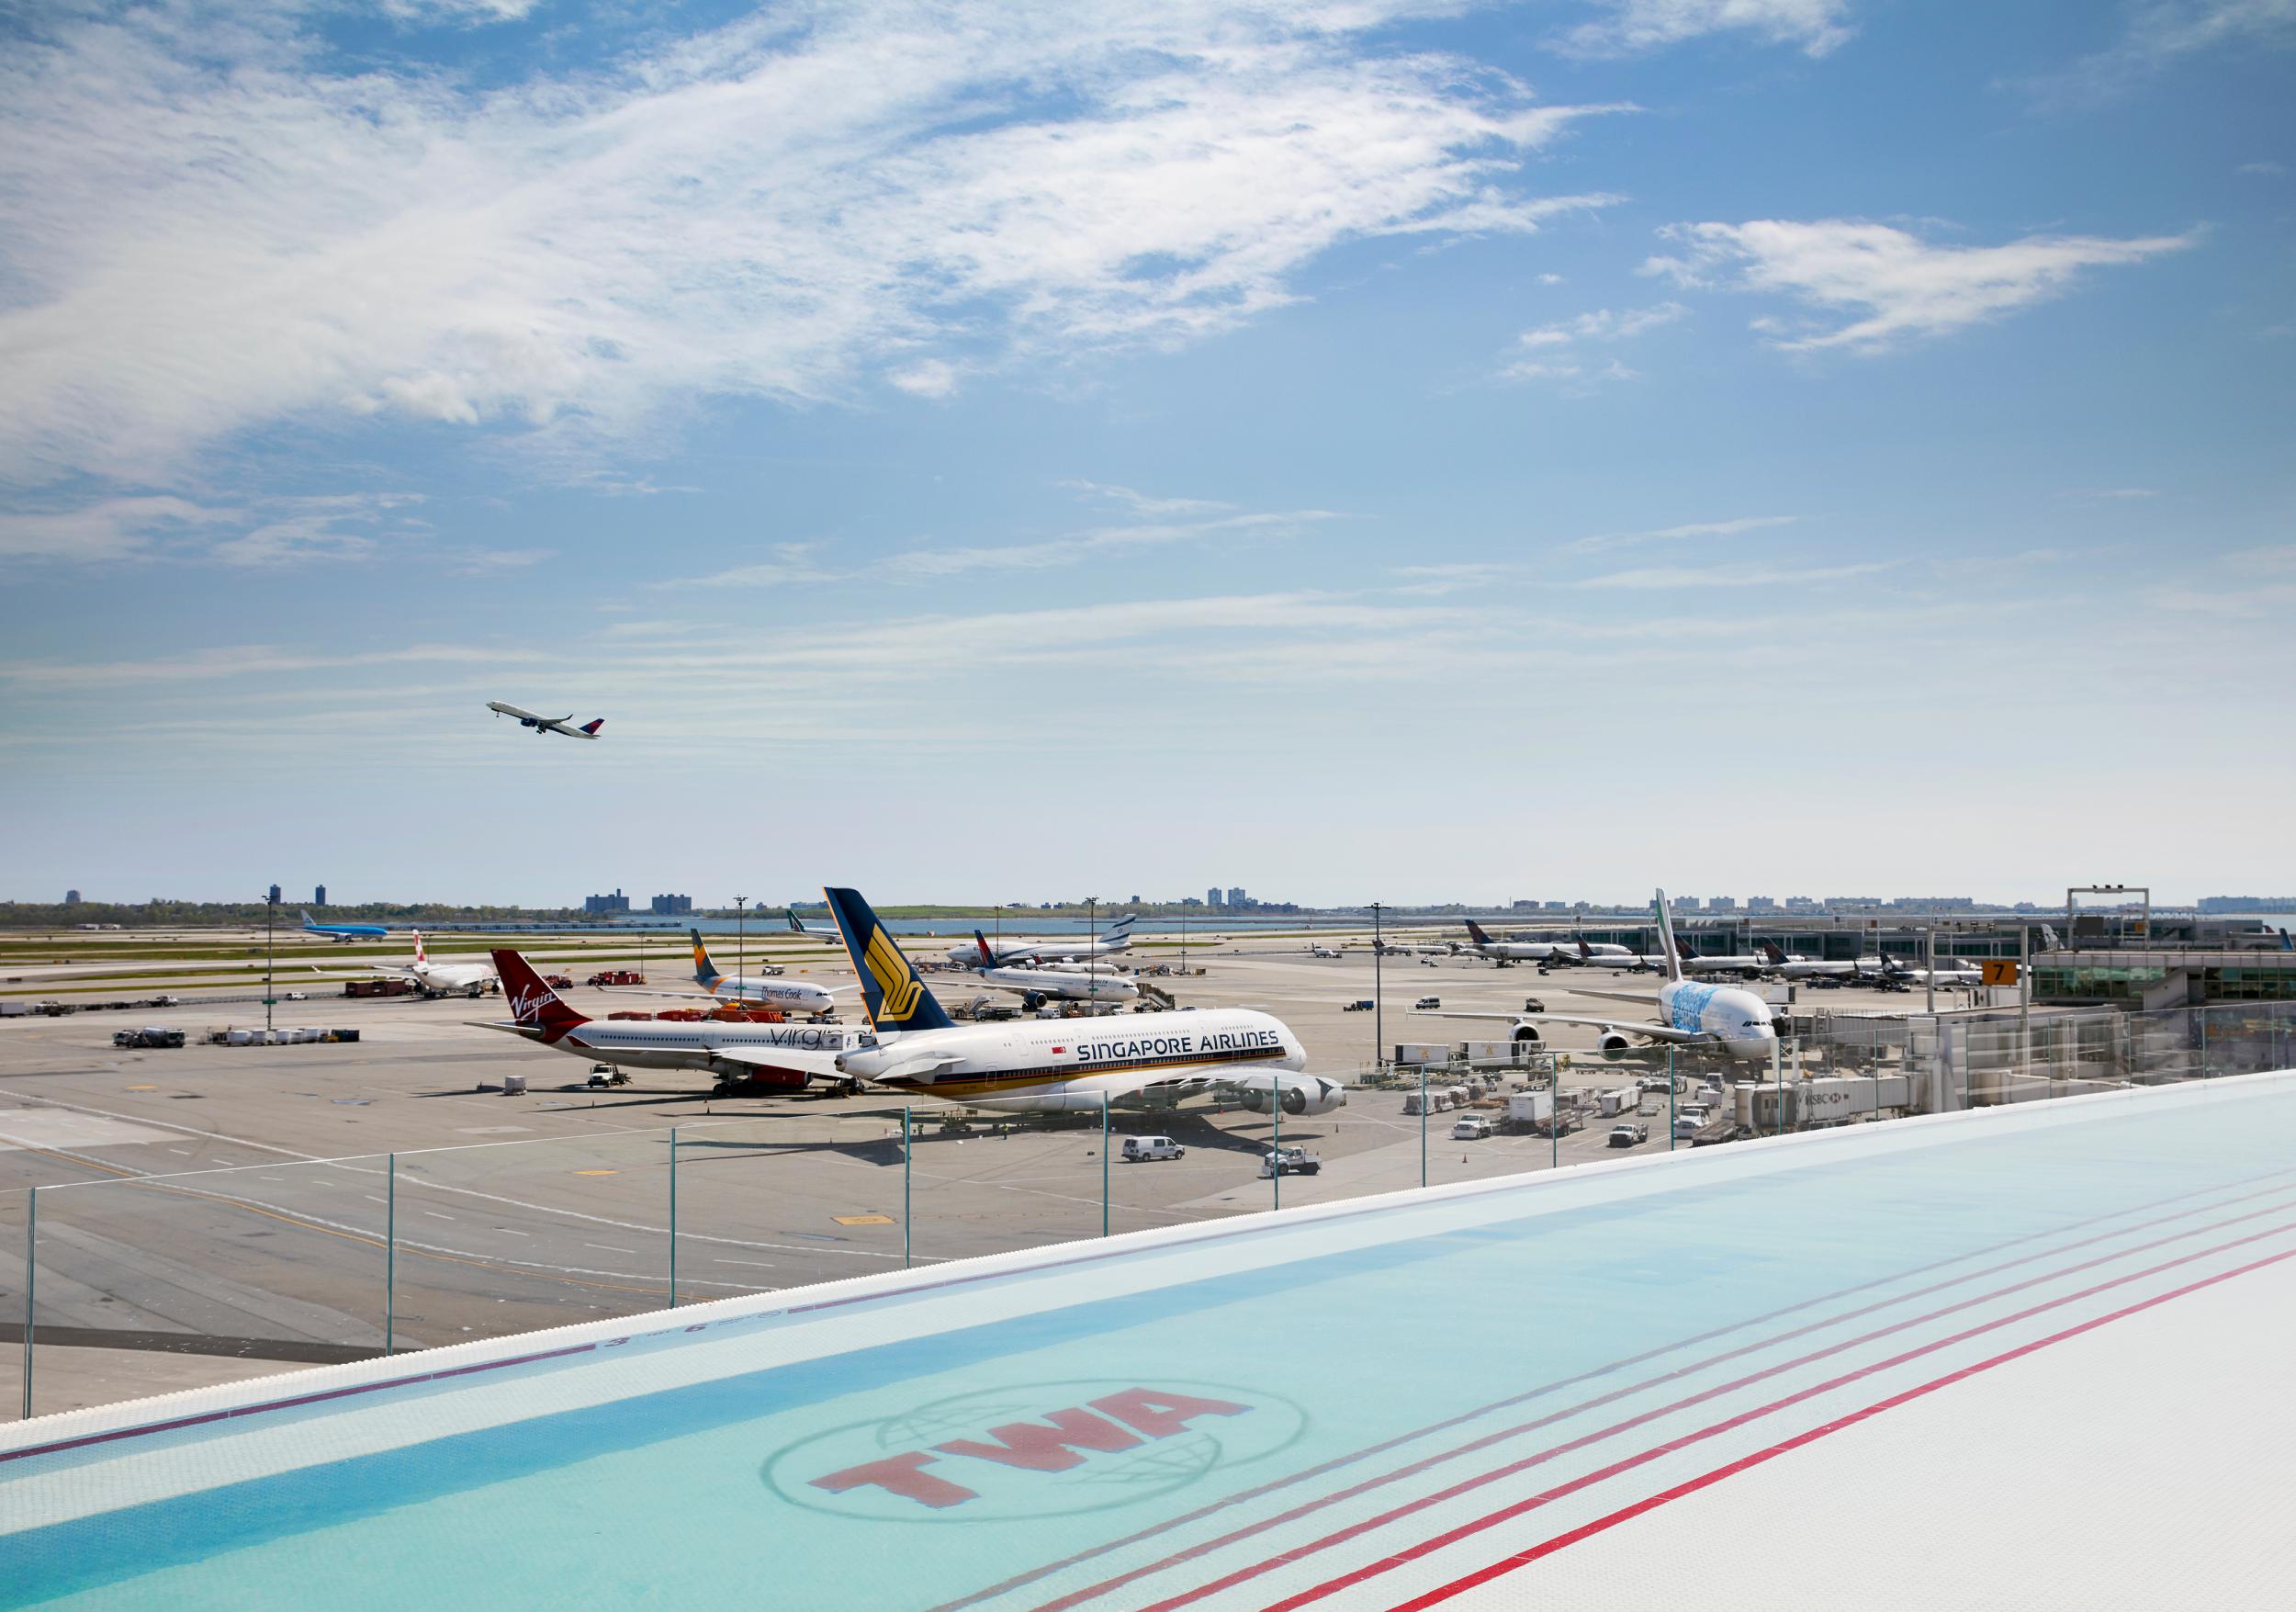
[[1361, 1005], [1629, 1136], [1290, 1161], [616, 976], [1425, 1002], [1138, 1149], [1472, 1128]]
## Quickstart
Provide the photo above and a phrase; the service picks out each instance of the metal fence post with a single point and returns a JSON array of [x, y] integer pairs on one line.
[[1275, 1158], [1670, 1080], [673, 1217], [390, 1252], [1553, 1116], [905, 1186], [1104, 1163], [1777, 1082], [1423, 1125], [31, 1270]]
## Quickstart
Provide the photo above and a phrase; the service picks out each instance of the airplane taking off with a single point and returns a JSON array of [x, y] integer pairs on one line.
[[547, 723], [1733, 1022], [1242, 1055], [440, 978], [783, 1057], [1039, 986], [342, 932]]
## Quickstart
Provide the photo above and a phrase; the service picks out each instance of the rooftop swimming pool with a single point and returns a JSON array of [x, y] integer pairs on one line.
[[1387, 1402]]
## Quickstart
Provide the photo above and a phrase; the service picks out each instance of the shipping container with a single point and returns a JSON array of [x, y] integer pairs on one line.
[[1412, 1053]]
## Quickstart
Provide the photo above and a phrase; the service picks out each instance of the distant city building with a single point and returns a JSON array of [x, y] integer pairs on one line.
[[1760, 903], [1236, 897], [1558, 906], [1212, 896], [617, 902], [1689, 904], [1722, 904], [2248, 904], [318, 894], [673, 904], [1525, 906], [1800, 904], [71, 899], [275, 894], [1133, 902]]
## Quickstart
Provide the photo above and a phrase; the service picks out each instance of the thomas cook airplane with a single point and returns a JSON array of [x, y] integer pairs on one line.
[[547, 723], [1034, 1066], [1725, 1018]]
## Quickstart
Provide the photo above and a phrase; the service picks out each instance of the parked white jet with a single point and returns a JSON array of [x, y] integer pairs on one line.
[[792, 996], [781, 1057], [439, 979], [547, 723], [1245, 1056], [1730, 1020], [1118, 937], [1039, 986], [1555, 952], [827, 937]]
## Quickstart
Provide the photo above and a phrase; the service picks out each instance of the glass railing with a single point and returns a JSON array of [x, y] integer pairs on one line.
[[117, 1283]]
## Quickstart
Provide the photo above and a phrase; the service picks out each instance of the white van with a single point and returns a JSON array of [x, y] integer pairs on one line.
[[1138, 1148]]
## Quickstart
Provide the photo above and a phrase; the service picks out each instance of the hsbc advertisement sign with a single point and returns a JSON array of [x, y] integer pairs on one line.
[[1039, 1449]]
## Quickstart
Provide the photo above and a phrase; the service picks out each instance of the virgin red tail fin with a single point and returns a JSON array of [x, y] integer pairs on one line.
[[532, 1003]]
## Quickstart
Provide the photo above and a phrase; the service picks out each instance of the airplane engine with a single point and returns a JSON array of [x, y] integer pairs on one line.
[[1033, 1000], [1307, 1095], [1526, 1036], [1614, 1045]]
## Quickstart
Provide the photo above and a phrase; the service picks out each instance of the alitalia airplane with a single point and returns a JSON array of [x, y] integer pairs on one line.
[[1033, 1066], [1726, 1019], [547, 723], [1117, 937]]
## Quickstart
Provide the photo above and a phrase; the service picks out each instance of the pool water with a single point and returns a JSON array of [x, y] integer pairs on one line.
[[1352, 1403]]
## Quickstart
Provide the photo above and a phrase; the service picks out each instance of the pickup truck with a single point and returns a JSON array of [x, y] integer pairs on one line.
[[1289, 1161], [1630, 1135]]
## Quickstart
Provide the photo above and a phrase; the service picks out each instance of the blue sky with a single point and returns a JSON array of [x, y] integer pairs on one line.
[[1353, 450]]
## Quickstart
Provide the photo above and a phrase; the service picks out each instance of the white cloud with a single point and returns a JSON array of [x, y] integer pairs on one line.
[[1730, 528], [1143, 504], [108, 529], [1548, 344], [1550, 279], [261, 532], [932, 379], [1907, 286], [1816, 26], [2161, 31], [483, 562], [202, 231], [1734, 576], [2263, 170], [1097, 542]]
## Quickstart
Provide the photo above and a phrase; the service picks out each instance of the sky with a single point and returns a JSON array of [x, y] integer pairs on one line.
[[1368, 449]]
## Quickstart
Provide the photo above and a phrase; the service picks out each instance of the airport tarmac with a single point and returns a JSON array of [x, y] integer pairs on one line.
[[275, 1248]]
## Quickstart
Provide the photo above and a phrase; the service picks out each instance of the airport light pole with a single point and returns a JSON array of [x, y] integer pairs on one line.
[[1378, 1003], [270, 916], [741, 945], [1092, 948]]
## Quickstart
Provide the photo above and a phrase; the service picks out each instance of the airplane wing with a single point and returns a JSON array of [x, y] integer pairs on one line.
[[920, 1063], [797, 1058], [1650, 1028]]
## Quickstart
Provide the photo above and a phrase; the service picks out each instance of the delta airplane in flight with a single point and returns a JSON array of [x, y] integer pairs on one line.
[[1117, 937], [1729, 1020], [1039, 986], [781, 1057], [442, 979], [547, 723], [344, 932], [1240, 1054]]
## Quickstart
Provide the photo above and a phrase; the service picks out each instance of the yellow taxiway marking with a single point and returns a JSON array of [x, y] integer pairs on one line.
[[597, 1172], [862, 1219]]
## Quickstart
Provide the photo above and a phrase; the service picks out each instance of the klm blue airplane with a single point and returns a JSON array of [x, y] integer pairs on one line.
[[344, 932]]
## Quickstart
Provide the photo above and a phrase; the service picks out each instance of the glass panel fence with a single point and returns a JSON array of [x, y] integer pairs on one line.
[[987, 1182], [511, 1236], [280, 1263], [787, 1198]]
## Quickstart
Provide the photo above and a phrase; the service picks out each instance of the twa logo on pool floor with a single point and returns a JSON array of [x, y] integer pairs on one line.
[[1042, 1449]]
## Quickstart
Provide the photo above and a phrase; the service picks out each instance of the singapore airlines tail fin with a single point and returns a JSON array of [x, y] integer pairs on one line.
[[891, 995], [532, 1003], [705, 973], [1666, 937]]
